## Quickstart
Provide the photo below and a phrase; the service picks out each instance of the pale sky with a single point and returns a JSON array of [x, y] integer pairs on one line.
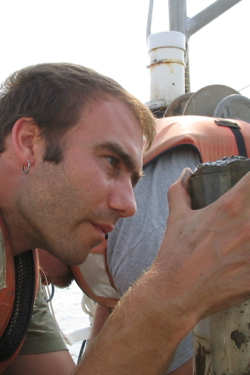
[[110, 37]]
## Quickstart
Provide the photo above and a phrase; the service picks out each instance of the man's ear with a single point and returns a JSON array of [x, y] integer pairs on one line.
[[25, 136]]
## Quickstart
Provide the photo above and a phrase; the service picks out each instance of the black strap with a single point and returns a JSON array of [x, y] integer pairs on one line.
[[23, 305], [235, 128]]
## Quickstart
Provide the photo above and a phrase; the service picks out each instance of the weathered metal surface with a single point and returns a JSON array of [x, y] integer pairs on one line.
[[221, 341], [204, 101], [157, 107], [166, 61], [234, 106], [177, 106]]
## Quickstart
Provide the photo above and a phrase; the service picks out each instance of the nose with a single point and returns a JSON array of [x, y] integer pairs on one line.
[[122, 199]]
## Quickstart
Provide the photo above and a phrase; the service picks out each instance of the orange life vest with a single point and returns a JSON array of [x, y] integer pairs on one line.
[[18, 285], [212, 138], [94, 278]]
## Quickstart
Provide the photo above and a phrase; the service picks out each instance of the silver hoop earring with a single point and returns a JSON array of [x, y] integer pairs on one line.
[[28, 168]]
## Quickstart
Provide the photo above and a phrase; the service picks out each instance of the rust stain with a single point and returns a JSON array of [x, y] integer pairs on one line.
[[165, 61]]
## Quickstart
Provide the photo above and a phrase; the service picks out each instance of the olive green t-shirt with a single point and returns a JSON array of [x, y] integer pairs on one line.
[[43, 335]]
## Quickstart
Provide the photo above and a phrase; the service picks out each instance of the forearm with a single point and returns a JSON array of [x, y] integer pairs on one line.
[[101, 315], [124, 346], [58, 362]]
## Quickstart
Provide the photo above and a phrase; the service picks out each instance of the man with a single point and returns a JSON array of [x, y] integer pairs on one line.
[[78, 138], [75, 201]]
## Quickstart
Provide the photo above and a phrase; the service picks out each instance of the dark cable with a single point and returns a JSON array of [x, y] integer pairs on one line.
[[51, 294], [83, 347]]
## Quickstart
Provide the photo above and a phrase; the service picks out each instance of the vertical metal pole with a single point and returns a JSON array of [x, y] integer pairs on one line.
[[177, 15], [178, 22]]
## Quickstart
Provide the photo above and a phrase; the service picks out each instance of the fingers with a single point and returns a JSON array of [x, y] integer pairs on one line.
[[178, 194], [185, 176], [208, 249]]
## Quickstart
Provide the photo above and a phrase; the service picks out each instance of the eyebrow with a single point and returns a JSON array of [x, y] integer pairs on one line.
[[127, 159]]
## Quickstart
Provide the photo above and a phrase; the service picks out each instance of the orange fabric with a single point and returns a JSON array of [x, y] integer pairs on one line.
[[109, 302], [7, 294], [211, 140], [37, 271], [84, 283]]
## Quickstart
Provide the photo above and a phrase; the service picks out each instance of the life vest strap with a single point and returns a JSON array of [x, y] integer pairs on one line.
[[22, 310], [235, 128]]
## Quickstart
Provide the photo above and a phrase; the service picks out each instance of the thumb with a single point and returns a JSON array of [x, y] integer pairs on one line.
[[179, 193]]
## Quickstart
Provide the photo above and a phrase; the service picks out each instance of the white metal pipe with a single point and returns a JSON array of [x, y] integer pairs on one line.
[[167, 65]]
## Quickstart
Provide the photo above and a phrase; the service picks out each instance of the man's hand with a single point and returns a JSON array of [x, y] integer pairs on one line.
[[203, 266], [206, 252]]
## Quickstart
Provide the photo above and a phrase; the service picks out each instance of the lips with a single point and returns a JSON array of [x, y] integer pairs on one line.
[[103, 227]]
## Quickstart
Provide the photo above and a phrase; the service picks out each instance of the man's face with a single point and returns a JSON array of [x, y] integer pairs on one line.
[[77, 202]]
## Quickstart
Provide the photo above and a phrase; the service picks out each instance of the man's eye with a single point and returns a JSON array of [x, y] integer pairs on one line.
[[112, 160]]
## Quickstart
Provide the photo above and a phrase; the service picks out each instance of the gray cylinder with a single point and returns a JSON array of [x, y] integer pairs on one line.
[[221, 341]]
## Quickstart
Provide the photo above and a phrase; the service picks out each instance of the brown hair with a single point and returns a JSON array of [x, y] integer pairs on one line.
[[53, 94]]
